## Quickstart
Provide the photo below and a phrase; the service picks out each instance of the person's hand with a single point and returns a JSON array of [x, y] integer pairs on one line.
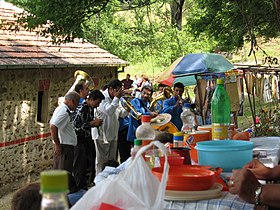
[[57, 149], [178, 102], [118, 92], [259, 169], [133, 152], [154, 114], [127, 91], [244, 183], [96, 122]]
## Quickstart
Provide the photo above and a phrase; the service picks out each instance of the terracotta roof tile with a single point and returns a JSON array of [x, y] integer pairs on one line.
[[27, 48]]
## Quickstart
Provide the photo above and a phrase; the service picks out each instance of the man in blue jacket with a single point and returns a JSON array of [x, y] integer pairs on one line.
[[173, 105], [142, 106]]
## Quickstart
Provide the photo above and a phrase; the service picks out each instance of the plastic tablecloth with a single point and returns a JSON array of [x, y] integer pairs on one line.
[[226, 202]]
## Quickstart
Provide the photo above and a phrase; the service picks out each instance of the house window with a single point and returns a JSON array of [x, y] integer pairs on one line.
[[43, 101]]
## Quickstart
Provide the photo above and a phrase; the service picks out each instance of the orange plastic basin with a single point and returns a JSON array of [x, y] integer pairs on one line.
[[187, 178], [172, 160]]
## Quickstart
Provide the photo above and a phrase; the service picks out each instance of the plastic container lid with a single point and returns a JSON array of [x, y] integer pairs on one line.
[[178, 138], [53, 181], [220, 81], [224, 145], [137, 142], [145, 118]]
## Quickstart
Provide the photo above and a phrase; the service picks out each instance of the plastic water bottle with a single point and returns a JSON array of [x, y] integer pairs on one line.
[[187, 117], [145, 132], [220, 111], [54, 187]]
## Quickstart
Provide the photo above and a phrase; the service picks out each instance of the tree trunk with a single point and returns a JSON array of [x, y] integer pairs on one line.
[[176, 7], [277, 8]]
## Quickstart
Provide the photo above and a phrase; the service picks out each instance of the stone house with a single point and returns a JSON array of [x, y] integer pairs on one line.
[[33, 75]]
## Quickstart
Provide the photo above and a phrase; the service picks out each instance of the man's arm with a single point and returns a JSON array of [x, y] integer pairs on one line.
[[138, 107], [245, 183], [167, 106], [54, 134], [270, 195], [109, 108]]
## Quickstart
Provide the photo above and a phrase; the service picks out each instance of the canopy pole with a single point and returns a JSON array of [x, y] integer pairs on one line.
[[200, 99], [250, 102]]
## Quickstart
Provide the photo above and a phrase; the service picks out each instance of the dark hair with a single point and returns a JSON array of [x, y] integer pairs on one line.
[[164, 137], [96, 94], [161, 85], [80, 85], [148, 87], [128, 75], [115, 84], [104, 87], [179, 85], [27, 198]]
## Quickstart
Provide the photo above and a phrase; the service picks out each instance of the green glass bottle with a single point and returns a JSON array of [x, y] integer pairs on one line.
[[220, 112]]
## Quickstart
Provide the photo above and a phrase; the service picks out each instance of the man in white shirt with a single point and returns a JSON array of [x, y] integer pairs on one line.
[[63, 133], [105, 139]]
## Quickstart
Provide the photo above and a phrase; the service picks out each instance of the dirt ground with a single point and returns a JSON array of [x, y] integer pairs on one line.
[[5, 202]]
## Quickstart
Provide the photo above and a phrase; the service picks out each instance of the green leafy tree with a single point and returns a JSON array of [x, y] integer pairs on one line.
[[144, 33], [138, 32], [62, 19], [233, 22]]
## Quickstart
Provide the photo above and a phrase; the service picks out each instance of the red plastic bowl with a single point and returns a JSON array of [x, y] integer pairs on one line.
[[187, 178], [172, 160]]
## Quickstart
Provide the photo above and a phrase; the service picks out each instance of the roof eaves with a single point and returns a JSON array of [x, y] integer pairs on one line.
[[36, 66]]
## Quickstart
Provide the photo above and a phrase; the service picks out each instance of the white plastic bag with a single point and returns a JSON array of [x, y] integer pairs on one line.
[[134, 188]]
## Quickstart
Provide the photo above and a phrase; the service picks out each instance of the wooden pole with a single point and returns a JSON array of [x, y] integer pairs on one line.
[[200, 99], [249, 98]]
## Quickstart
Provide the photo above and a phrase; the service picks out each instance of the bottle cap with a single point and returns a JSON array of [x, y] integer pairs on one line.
[[145, 118], [220, 81], [53, 181], [187, 105], [137, 142], [250, 130], [179, 136]]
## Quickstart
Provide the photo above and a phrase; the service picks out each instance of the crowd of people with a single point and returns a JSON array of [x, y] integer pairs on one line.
[[91, 129]]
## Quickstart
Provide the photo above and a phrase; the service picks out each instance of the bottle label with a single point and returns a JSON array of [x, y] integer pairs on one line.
[[188, 138], [220, 131], [146, 142], [178, 143]]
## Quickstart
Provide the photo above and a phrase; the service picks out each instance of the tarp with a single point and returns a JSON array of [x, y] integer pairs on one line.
[[184, 68], [201, 63]]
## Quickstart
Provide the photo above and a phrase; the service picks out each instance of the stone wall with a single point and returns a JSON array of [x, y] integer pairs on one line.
[[25, 144]]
